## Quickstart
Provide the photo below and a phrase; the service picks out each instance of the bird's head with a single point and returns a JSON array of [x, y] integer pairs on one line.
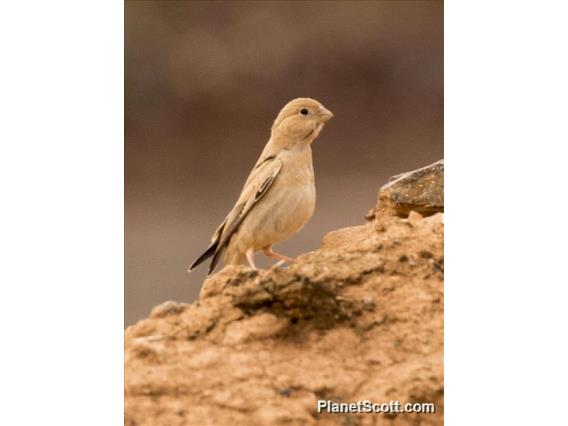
[[301, 119]]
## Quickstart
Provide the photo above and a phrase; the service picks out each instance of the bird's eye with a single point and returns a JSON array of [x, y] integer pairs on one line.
[[304, 111]]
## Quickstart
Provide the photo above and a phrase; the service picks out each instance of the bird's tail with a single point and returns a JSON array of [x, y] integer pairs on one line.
[[206, 255]]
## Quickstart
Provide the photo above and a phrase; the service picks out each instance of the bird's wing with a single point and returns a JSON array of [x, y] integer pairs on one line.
[[257, 185]]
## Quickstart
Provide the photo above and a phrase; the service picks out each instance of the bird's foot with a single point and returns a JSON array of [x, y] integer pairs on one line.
[[270, 253], [250, 258]]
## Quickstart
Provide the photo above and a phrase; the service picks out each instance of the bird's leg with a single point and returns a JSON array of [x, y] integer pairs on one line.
[[250, 257], [268, 252]]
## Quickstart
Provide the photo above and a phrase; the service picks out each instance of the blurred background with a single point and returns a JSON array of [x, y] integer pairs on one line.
[[205, 80]]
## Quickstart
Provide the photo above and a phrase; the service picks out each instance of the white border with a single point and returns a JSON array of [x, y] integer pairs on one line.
[[61, 173], [506, 196]]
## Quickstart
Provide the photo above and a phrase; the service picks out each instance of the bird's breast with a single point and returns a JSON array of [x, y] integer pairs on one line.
[[298, 198], [287, 206]]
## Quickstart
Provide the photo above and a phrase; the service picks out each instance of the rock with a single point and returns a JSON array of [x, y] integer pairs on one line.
[[168, 308], [414, 218], [253, 328], [421, 191], [361, 318]]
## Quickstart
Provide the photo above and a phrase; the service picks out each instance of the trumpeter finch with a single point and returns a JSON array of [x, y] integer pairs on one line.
[[279, 195]]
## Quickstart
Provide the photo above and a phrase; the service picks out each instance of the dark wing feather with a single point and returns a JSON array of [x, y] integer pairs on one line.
[[210, 251], [204, 256], [264, 172], [244, 210]]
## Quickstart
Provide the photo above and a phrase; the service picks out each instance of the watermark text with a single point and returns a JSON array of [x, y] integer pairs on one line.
[[367, 406]]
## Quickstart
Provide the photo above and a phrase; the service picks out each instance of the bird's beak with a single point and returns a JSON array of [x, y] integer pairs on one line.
[[325, 114]]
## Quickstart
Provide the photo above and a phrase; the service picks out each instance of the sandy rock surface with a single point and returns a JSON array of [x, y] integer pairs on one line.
[[359, 319]]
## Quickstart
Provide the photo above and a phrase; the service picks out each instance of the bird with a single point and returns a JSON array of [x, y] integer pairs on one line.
[[279, 195]]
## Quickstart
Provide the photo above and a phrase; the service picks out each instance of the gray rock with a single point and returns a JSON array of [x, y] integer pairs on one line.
[[421, 190]]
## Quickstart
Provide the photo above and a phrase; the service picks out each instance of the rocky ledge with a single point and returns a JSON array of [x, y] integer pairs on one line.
[[361, 318]]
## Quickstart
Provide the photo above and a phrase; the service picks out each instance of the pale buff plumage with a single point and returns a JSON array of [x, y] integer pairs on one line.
[[279, 196]]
